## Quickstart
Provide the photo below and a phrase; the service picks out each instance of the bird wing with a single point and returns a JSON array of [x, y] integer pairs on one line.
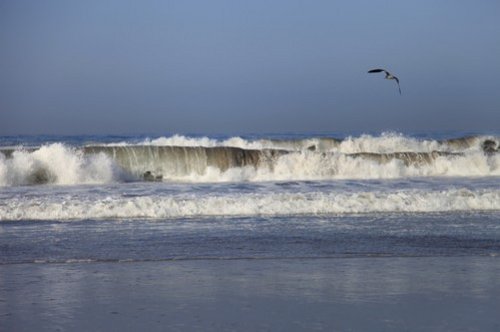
[[377, 70], [397, 80]]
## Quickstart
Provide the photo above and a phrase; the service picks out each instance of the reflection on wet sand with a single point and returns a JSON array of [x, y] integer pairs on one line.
[[416, 293]]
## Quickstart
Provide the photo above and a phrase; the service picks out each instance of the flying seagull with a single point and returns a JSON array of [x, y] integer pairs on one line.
[[388, 76]]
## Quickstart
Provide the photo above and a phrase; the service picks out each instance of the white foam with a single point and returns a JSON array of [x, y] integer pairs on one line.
[[56, 164], [387, 142], [308, 165], [180, 140], [247, 204]]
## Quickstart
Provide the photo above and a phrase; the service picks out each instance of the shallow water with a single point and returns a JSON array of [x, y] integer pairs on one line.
[[373, 235], [352, 294]]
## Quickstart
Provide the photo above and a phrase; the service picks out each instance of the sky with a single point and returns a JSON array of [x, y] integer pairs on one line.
[[238, 67]]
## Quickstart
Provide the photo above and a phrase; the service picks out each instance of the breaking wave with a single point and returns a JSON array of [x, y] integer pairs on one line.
[[58, 164], [185, 159], [74, 207], [384, 143]]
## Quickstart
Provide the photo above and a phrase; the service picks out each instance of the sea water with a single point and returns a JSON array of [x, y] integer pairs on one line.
[[269, 196], [139, 199]]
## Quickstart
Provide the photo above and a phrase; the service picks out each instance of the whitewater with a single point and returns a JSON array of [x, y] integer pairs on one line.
[[172, 177]]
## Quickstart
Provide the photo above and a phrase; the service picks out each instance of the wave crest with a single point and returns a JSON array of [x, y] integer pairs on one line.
[[364, 157]]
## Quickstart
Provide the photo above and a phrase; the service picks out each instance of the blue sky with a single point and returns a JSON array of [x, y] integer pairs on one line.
[[236, 67]]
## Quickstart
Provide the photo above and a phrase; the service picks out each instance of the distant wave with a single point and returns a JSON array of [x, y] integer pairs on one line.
[[185, 159], [384, 143]]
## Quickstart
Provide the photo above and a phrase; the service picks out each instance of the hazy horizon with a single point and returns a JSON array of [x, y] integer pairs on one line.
[[156, 67]]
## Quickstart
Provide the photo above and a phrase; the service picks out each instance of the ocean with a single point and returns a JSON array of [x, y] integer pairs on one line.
[[305, 209]]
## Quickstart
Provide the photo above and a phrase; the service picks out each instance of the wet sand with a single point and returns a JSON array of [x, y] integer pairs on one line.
[[341, 294]]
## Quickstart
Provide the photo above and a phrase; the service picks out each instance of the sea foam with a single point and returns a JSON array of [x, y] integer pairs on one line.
[[387, 142], [57, 164], [76, 207]]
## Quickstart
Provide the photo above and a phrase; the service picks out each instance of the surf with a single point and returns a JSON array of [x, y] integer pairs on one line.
[[199, 160]]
